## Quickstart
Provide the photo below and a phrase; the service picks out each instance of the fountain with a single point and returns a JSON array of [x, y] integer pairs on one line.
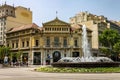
[[85, 44], [86, 60]]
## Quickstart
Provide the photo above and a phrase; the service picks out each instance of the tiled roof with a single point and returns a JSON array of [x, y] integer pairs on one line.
[[77, 26], [24, 27], [40, 28], [3, 16]]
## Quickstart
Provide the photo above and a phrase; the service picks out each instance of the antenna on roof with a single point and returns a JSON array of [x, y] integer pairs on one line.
[[56, 14], [5, 2], [13, 4]]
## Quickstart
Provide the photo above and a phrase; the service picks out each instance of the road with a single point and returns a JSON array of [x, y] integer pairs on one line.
[[30, 74]]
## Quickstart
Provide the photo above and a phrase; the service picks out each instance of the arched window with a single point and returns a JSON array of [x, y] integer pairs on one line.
[[12, 45], [16, 44], [27, 43], [56, 41], [23, 44], [36, 42], [65, 42], [11, 12], [76, 43], [48, 41], [6, 10]]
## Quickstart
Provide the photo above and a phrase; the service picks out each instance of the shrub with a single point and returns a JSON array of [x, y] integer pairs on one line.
[[79, 70]]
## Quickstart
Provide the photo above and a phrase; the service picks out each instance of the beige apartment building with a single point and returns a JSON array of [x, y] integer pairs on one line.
[[95, 23], [10, 17]]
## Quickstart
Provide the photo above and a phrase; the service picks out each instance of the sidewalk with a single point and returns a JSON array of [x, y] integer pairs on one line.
[[1, 65], [28, 74], [35, 66], [24, 66]]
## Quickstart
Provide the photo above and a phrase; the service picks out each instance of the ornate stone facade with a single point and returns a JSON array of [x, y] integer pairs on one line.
[[47, 44]]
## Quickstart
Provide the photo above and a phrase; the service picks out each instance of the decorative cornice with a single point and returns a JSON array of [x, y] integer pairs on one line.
[[55, 22]]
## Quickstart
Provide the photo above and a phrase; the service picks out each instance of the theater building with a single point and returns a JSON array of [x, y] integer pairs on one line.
[[43, 45]]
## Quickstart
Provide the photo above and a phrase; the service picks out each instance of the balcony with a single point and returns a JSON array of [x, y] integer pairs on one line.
[[58, 46], [47, 46], [52, 46], [66, 46], [36, 47], [24, 48], [75, 46], [14, 49]]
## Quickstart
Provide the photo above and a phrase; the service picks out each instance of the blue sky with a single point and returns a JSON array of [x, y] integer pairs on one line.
[[45, 10]]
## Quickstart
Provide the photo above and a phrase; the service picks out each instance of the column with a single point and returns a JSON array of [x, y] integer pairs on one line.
[[30, 55], [44, 56], [51, 52]]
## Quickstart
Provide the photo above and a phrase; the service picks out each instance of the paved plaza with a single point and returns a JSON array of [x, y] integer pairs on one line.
[[28, 74]]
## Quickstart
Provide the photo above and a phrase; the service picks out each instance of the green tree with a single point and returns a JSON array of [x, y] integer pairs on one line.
[[105, 50], [116, 49], [108, 39], [4, 51], [18, 55]]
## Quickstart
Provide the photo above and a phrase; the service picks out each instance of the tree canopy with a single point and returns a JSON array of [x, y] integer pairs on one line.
[[110, 40], [109, 37], [117, 47]]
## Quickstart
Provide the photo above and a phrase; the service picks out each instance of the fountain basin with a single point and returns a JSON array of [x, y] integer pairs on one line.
[[86, 64]]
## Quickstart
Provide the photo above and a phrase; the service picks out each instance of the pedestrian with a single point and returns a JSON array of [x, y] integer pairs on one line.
[[6, 60]]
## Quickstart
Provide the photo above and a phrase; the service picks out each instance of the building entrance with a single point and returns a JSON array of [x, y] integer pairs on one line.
[[25, 58], [56, 56], [37, 58], [75, 54]]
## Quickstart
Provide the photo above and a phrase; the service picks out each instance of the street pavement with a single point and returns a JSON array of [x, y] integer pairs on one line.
[[28, 73]]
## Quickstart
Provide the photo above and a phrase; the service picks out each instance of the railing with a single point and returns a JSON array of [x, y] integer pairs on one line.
[[36, 47], [47, 46], [25, 48], [66, 46], [76, 46], [14, 49], [56, 46]]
